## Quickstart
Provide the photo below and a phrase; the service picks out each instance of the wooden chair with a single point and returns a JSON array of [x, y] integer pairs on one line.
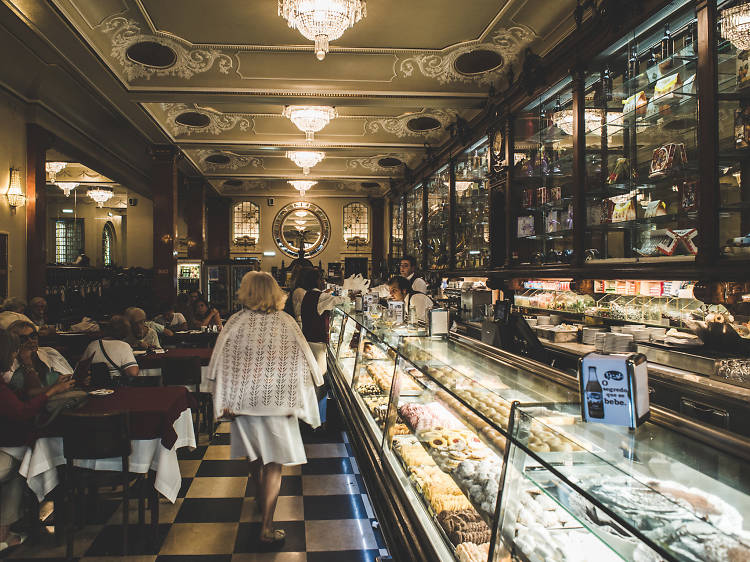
[[94, 437], [145, 381], [186, 371]]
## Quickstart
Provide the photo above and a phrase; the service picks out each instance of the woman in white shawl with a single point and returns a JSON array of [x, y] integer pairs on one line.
[[264, 378]]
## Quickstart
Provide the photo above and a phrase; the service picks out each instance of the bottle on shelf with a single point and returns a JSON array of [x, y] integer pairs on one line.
[[666, 44], [633, 62]]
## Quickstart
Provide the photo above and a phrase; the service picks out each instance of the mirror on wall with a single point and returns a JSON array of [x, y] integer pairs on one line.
[[301, 224]]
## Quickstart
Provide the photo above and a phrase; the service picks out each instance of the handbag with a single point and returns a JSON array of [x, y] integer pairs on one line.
[[65, 401]]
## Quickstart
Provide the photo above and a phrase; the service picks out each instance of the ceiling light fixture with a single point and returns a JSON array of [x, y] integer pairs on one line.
[[101, 194], [302, 186], [305, 159], [322, 21], [563, 118], [735, 25], [15, 195], [54, 168], [67, 186], [310, 119]]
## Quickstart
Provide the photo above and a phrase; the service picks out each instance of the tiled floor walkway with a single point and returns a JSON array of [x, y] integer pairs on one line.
[[323, 507]]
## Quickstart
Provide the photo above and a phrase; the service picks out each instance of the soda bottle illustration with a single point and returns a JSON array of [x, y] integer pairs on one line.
[[594, 399]]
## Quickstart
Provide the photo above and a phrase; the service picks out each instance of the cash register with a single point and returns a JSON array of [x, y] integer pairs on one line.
[[508, 330]]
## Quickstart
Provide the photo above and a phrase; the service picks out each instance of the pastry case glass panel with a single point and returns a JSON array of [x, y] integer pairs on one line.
[[414, 217], [472, 227], [348, 347], [334, 333], [641, 122], [397, 228], [608, 493], [438, 219], [542, 185], [734, 133]]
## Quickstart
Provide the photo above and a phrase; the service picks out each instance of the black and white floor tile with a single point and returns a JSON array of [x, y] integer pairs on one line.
[[323, 506]]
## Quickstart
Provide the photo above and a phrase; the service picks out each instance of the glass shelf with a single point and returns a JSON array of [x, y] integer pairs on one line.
[[437, 248], [414, 221], [472, 223]]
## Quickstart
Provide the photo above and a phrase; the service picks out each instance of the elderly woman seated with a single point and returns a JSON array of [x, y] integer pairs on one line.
[[141, 336], [16, 419], [36, 368]]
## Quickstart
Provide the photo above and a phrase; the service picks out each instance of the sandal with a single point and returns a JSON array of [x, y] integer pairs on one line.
[[19, 540], [276, 536]]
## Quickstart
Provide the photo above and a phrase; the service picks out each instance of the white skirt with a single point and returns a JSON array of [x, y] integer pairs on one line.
[[269, 438]]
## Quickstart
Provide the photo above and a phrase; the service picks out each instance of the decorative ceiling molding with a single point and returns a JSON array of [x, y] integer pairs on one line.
[[218, 122], [507, 42], [372, 162], [398, 126], [236, 161], [189, 60]]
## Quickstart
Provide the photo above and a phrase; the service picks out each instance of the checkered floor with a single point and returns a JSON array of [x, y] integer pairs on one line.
[[323, 507]]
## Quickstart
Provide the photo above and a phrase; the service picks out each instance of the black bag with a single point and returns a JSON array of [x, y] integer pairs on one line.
[[65, 401]]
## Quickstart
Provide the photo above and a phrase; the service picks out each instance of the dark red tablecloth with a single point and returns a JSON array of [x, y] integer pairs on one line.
[[153, 360], [153, 411]]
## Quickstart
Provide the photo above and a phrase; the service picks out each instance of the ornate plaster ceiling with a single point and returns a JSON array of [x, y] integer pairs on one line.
[[216, 75]]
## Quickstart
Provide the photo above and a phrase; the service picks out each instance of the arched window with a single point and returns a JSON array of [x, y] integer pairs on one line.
[[356, 224], [108, 245], [246, 221]]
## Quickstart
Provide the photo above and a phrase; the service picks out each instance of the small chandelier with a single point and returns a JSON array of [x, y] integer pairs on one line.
[[563, 118], [462, 186], [302, 186], [66, 186], [15, 195], [101, 194], [305, 159], [310, 119], [54, 168], [322, 21], [735, 25]]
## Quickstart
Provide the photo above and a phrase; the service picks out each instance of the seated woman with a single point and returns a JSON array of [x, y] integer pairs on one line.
[[141, 336], [204, 315], [36, 368], [112, 350], [15, 422], [37, 313], [170, 319], [401, 290]]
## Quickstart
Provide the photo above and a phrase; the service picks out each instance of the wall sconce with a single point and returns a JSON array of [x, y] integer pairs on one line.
[[15, 195], [167, 238]]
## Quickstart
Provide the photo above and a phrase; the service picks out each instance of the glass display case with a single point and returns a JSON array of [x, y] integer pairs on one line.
[[641, 122], [472, 216], [734, 133], [414, 223], [608, 493], [397, 228], [542, 187], [494, 463], [437, 246]]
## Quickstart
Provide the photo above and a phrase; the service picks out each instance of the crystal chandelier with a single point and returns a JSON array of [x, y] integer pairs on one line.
[[305, 159], [302, 186], [54, 168], [322, 21], [101, 194], [15, 195], [735, 25], [563, 118], [66, 186], [310, 119]]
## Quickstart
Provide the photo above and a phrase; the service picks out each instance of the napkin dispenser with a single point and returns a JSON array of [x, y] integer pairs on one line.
[[614, 389]]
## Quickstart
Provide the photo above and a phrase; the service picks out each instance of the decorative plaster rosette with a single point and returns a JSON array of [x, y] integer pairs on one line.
[[236, 161], [508, 43], [219, 122], [189, 61], [371, 162], [399, 125]]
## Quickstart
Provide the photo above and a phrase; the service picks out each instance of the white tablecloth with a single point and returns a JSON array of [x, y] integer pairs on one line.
[[39, 463]]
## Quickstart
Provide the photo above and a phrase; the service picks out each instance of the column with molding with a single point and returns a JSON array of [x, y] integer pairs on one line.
[[164, 191]]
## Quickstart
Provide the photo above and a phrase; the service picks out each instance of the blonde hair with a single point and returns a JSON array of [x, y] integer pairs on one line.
[[260, 292]]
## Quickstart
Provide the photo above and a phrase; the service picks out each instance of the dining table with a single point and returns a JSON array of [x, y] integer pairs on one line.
[[160, 423], [150, 362]]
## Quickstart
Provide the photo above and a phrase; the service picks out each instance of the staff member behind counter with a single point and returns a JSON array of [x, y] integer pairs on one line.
[[401, 290], [408, 269]]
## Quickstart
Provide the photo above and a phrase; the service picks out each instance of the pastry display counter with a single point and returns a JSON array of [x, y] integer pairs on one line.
[[470, 453]]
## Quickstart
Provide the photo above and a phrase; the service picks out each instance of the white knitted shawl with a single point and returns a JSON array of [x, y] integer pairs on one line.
[[262, 366]]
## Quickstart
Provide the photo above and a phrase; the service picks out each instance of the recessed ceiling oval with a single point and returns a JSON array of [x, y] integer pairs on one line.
[[370, 184], [422, 124], [218, 159], [478, 62], [152, 54], [193, 119], [233, 183], [389, 162]]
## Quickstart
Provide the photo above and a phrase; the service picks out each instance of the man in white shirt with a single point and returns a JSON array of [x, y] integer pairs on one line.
[[400, 289], [408, 269]]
